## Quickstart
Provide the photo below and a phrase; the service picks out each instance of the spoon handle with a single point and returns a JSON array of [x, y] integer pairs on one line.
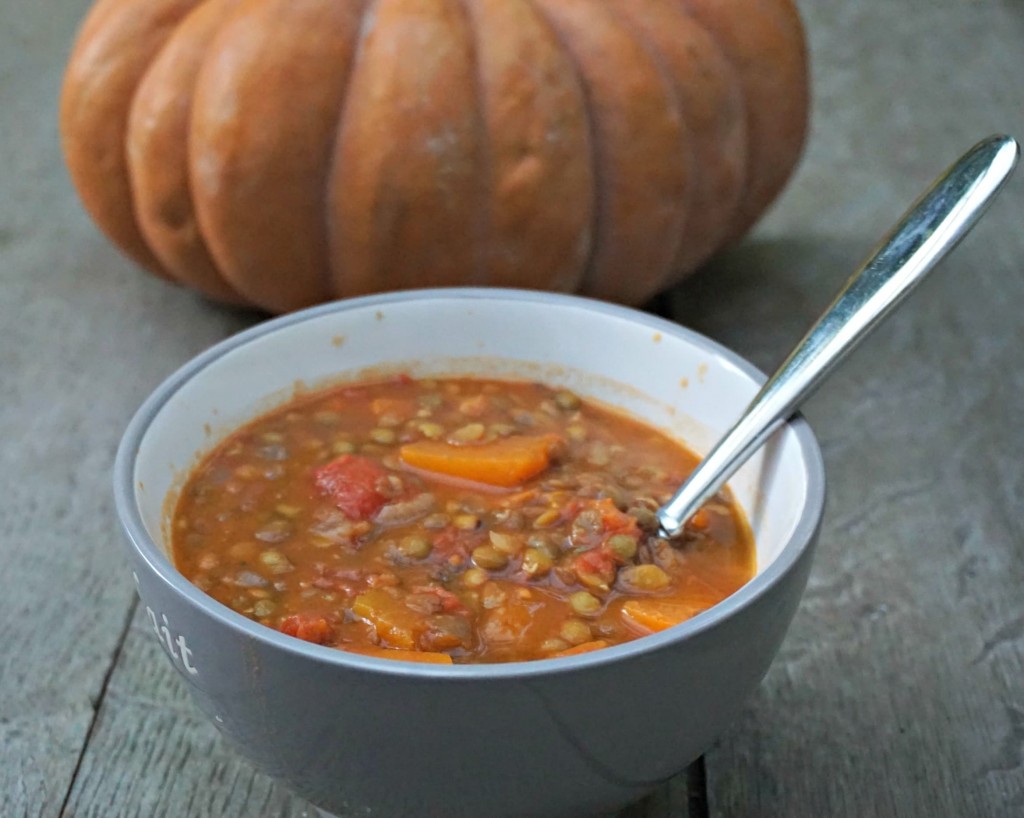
[[931, 228]]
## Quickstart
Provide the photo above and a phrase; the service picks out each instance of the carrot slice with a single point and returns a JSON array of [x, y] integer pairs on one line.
[[395, 623], [586, 647], [425, 656], [659, 614], [506, 462]]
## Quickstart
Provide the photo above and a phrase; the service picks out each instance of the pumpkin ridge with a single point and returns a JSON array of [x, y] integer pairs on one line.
[[683, 52], [189, 262], [407, 146], [101, 79], [733, 218], [679, 233], [538, 147], [592, 140], [637, 152], [333, 275], [772, 159], [483, 216], [258, 187], [329, 148]]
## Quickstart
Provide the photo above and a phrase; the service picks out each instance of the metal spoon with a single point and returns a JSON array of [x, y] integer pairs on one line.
[[943, 215]]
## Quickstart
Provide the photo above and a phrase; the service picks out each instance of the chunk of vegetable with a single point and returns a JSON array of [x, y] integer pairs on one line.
[[308, 627], [506, 462], [586, 647], [352, 482], [659, 614], [396, 624]]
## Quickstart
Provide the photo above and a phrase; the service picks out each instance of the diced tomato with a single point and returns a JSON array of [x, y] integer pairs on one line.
[[615, 521], [309, 627], [596, 560], [352, 482]]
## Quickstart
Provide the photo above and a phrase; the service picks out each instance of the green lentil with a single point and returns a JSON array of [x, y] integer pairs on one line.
[[466, 522], [567, 400], [536, 562], [431, 430], [623, 545], [506, 543], [382, 436], [575, 631], [468, 433], [645, 577], [414, 547], [475, 577], [277, 562], [263, 608], [435, 521], [584, 603], [547, 518], [487, 556]]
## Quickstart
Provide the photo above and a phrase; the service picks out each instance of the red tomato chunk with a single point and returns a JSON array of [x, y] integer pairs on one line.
[[353, 484]]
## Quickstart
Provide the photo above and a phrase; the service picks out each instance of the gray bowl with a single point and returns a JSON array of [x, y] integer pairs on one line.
[[563, 737]]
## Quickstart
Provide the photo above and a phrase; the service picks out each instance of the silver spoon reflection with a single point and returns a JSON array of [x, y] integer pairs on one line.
[[943, 215]]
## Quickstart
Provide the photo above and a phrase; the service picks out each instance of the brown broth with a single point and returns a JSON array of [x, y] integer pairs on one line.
[[310, 520]]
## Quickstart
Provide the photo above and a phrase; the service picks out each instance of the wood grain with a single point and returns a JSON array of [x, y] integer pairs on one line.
[[83, 341], [153, 753]]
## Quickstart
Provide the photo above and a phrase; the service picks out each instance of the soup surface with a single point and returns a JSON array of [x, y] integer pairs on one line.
[[456, 520]]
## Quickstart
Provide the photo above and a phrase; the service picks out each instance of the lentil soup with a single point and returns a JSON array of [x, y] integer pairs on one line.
[[453, 520]]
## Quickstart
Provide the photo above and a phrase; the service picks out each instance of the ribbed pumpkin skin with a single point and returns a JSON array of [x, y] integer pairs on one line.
[[285, 152]]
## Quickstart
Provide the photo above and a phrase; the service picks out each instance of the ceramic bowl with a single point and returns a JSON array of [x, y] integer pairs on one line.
[[562, 737]]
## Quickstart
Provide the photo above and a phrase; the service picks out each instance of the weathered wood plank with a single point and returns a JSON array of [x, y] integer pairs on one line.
[[899, 689], [75, 360], [153, 753]]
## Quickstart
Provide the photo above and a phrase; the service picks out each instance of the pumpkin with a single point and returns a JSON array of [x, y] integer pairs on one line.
[[285, 152]]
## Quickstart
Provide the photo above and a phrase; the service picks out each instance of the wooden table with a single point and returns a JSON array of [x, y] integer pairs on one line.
[[900, 688]]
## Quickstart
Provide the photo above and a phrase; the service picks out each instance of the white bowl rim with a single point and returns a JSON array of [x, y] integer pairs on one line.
[[158, 561]]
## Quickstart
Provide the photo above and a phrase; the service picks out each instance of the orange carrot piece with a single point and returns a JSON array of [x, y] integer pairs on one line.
[[659, 614], [395, 623], [424, 656], [586, 647], [507, 462], [701, 519]]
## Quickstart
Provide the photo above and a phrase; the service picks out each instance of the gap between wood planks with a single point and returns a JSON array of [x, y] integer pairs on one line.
[[98, 704], [697, 789]]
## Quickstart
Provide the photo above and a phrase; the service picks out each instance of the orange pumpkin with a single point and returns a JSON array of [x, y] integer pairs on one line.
[[284, 152]]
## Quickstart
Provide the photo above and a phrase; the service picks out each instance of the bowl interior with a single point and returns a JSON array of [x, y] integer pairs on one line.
[[654, 370]]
